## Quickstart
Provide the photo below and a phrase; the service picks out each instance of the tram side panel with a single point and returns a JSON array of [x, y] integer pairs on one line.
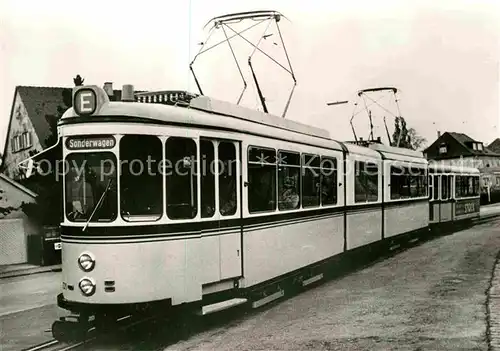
[[405, 217], [280, 241], [406, 207], [364, 201], [274, 249]]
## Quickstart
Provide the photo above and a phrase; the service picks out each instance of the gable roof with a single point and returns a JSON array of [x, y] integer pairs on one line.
[[40, 102], [18, 186], [495, 146], [464, 142]]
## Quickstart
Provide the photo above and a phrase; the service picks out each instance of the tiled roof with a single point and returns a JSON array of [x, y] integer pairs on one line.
[[19, 186], [495, 146], [40, 102], [43, 101], [464, 138], [461, 137]]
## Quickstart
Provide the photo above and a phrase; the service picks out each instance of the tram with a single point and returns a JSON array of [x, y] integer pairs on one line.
[[454, 196]]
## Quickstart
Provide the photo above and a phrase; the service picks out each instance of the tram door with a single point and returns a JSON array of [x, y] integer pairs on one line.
[[220, 201]]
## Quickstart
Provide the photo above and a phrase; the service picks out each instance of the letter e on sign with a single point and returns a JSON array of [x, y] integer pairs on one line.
[[85, 102]]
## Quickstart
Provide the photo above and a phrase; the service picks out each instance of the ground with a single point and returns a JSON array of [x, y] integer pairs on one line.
[[431, 297]]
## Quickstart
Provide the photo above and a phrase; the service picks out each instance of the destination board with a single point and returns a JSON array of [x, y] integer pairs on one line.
[[91, 142]]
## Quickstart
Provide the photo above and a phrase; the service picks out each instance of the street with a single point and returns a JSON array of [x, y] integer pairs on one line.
[[431, 297], [27, 309]]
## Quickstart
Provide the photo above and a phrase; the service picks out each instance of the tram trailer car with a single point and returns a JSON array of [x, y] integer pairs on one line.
[[282, 200], [454, 196]]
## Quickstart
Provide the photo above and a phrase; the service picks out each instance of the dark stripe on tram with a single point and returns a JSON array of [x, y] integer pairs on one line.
[[194, 228]]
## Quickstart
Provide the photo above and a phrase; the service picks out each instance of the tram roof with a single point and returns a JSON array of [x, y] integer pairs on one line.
[[437, 167], [203, 111]]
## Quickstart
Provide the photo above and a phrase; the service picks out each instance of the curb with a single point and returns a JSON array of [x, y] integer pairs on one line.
[[30, 271]]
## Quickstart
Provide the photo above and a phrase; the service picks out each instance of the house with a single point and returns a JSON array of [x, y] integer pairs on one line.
[[458, 149], [16, 228], [495, 146], [33, 122]]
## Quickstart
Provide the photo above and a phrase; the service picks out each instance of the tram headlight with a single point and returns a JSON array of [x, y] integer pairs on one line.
[[86, 262], [87, 286]]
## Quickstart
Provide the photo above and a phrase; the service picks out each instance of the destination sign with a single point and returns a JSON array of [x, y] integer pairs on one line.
[[91, 142], [466, 207]]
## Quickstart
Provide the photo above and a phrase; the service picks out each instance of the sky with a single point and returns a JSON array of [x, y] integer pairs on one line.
[[442, 55]]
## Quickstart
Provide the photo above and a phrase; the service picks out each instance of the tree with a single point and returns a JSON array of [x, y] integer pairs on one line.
[[78, 80], [408, 138], [416, 140]]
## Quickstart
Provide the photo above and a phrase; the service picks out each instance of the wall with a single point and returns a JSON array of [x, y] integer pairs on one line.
[[16, 229], [19, 123]]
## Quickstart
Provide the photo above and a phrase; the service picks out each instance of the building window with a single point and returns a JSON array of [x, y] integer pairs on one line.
[[443, 149], [21, 141], [480, 147]]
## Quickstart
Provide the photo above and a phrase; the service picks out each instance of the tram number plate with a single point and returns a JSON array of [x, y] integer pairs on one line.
[[57, 246]]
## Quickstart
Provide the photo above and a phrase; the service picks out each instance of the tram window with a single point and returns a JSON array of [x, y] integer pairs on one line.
[[207, 170], [311, 180], [400, 183], [476, 186], [261, 179], [181, 182], [366, 182], [141, 180], [431, 186], [435, 196], [421, 179], [328, 181], [88, 177], [227, 178], [288, 180], [414, 186], [445, 179]]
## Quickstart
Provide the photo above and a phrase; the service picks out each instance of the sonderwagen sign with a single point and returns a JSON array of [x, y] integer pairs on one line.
[[91, 142]]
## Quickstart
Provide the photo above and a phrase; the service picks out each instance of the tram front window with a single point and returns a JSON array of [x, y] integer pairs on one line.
[[87, 178]]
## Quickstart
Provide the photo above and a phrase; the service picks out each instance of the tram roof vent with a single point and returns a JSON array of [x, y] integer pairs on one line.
[[166, 97]]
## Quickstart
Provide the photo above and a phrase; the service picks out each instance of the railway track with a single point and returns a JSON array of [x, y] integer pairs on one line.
[[55, 345]]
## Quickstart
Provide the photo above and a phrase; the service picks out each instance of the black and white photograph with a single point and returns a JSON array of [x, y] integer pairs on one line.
[[250, 175]]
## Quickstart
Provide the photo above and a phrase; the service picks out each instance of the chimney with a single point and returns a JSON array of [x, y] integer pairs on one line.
[[128, 93], [108, 88], [439, 134]]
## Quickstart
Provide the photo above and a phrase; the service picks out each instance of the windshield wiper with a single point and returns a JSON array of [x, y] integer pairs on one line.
[[98, 204]]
